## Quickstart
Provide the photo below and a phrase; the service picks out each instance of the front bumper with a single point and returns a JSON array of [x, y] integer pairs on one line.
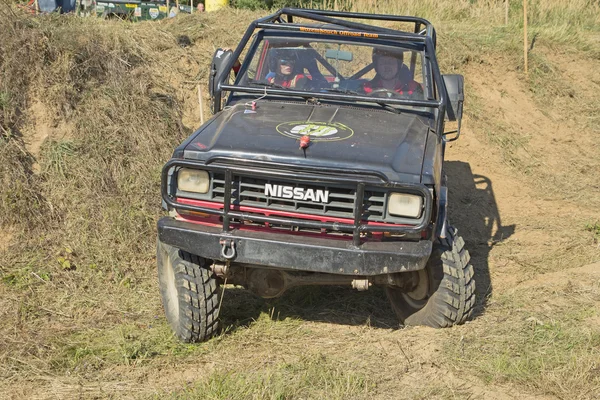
[[280, 250]]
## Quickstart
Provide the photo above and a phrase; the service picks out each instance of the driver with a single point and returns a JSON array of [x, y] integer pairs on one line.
[[391, 74]]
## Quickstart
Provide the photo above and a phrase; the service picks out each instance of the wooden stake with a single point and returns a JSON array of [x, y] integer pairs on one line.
[[525, 33], [37, 6], [505, 12], [192, 6], [200, 102]]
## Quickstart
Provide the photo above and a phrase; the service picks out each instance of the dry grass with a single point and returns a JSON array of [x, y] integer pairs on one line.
[[83, 227], [584, 13], [78, 290], [544, 337], [308, 377]]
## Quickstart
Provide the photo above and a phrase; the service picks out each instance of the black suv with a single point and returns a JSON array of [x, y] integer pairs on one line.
[[324, 165]]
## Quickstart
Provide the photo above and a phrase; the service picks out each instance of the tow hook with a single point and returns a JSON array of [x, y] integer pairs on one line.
[[227, 248]]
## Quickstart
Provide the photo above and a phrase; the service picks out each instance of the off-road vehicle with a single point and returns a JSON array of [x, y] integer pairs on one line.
[[323, 165]]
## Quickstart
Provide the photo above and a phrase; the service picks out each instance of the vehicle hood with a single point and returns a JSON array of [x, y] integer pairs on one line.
[[341, 137]]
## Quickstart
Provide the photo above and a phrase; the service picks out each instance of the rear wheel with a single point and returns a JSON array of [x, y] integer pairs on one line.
[[445, 292], [190, 293]]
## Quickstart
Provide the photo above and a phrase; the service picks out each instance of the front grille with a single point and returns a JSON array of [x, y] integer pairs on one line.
[[250, 192]]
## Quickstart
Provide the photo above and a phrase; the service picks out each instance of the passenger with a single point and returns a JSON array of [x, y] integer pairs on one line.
[[391, 75], [287, 70], [284, 68]]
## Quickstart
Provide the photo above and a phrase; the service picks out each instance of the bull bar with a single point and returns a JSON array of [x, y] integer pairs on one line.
[[242, 167]]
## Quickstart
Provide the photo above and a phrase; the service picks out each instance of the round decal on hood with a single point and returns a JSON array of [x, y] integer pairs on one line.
[[317, 131]]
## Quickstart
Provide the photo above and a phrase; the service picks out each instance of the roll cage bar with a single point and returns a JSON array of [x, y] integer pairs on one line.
[[282, 20]]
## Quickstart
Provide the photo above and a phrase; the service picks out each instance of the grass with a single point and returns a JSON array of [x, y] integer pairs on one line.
[[553, 353], [25, 277], [57, 156], [78, 289], [126, 344], [538, 352], [594, 228], [583, 13], [148, 340], [306, 378]]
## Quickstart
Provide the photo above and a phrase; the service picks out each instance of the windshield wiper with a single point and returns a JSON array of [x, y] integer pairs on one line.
[[348, 91], [337, 90], [265, 83], [390, 108]]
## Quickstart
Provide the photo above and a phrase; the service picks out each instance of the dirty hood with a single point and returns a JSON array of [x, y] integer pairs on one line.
[[340, 137]]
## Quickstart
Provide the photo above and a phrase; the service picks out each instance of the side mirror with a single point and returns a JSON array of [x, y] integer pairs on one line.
[[217, 67], [455, 85]]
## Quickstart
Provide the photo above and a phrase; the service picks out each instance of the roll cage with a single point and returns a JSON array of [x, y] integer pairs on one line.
[[423, 35]]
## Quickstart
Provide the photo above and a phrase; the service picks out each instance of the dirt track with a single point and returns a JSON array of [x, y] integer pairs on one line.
[[510, 225]]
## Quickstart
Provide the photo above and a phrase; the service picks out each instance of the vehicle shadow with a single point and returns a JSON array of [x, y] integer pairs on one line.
[[332, 304], [472, 209], [474, 212]]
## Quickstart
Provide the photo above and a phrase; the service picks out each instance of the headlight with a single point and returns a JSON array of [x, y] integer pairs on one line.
[[405, 205], [193, 180]]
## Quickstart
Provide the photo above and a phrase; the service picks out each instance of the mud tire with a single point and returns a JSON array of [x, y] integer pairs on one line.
[[190, 294], [451, 294]]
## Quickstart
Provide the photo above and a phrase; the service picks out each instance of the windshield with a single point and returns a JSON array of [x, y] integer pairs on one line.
[[330, 66]]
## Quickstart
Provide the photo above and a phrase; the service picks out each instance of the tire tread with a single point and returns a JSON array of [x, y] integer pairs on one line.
[[453, 300], [198, 296]]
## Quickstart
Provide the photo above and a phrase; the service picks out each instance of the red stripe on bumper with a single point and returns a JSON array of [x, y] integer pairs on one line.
[[268, 212]]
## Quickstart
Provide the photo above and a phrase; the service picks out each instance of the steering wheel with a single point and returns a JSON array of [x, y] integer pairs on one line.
[[310, 84], [388, 93]]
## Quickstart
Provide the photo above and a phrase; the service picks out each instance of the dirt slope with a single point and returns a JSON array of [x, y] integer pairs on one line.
[[78, 295]]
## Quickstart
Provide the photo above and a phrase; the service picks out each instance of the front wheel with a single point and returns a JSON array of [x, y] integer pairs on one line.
[[445, 292], [190, 293]]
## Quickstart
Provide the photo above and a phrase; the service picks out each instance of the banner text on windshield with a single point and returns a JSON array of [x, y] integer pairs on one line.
[[341, 33]]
